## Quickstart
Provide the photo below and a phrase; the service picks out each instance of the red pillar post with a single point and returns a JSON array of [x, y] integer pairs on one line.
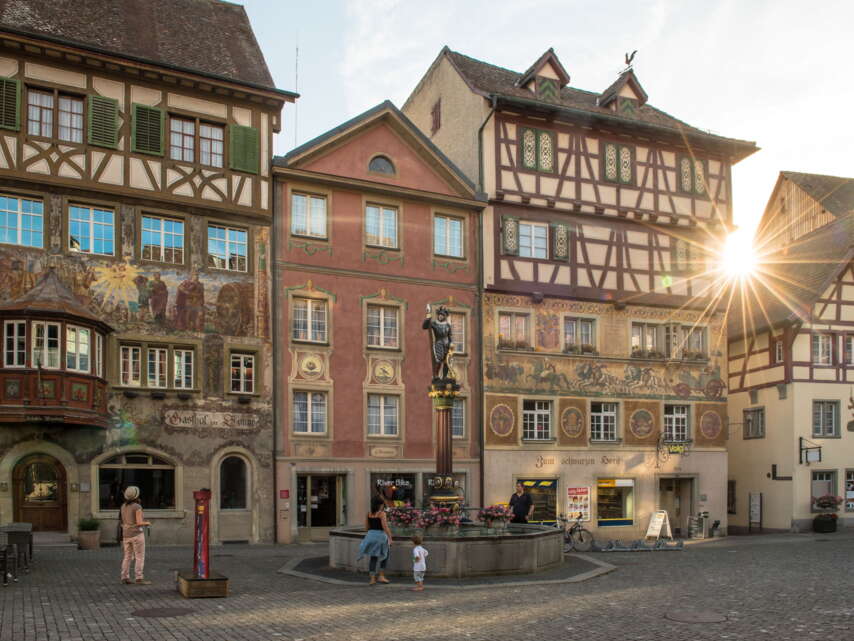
[[201, 547]]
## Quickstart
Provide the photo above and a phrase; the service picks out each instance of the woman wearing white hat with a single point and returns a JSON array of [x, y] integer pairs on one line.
[[133, 538]]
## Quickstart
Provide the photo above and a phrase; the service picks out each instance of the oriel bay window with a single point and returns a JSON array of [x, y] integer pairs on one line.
[[615, 502], [309, 412], [21, 221], [153, 475], [383, 415], [77, 349], [382, 326], [15, 344], [308, 215], [309, 320], [45, 345]]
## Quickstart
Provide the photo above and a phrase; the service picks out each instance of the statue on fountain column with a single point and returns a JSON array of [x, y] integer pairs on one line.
[[441, 343]]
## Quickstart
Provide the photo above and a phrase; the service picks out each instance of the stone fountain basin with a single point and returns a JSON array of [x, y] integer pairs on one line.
[[473, 551]]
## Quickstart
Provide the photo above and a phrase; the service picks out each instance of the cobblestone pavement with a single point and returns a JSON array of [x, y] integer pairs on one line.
[[776, 587]]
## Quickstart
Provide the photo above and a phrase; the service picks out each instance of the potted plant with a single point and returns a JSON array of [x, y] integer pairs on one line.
[[826, 521], [637, 352], [586, 348], [654, 353], [572, 348], [89, 534]]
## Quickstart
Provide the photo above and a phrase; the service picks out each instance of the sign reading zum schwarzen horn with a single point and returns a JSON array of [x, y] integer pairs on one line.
[[225, 420]]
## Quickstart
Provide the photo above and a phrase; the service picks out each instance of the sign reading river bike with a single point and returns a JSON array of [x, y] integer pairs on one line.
[[222, 420]]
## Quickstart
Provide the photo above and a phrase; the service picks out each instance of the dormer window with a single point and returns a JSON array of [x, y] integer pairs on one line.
[[547, 88], [381, 165]]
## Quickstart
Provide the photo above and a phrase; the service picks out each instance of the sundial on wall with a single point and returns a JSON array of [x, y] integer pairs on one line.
[[383, 372], [311, 366]]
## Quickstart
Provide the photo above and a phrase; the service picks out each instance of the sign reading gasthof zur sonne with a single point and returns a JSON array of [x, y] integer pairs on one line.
[[215, 420]]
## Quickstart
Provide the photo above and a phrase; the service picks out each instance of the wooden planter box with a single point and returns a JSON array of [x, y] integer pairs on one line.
[[192, 588], [824, 523]]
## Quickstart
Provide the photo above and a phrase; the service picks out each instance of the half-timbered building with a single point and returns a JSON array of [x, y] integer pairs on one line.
[[373, 224], [602, 357], [135, 215], [791, 360]]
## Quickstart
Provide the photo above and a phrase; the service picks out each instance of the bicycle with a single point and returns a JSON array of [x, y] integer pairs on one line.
[[576, 536]]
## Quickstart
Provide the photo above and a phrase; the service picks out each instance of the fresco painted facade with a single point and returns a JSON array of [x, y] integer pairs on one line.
[[604, 357], [354, 365], [164, 239]]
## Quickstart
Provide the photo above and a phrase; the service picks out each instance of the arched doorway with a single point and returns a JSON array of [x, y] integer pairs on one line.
[[40, 493]]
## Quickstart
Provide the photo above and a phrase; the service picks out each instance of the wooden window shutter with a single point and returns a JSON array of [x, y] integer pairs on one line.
[[560, 241], [244, 148], [10, 100], [610, 162], [510, 236], [103, 121], [528, 148], [147, 130]]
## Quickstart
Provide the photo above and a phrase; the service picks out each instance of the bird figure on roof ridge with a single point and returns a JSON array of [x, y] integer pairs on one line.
[[630, 58]]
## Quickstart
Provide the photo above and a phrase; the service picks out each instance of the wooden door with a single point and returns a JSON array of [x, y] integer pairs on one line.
[[40, 493]]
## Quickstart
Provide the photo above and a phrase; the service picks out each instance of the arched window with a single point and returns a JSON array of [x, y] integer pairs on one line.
[[381, 165], [154, 476], [232, 484]]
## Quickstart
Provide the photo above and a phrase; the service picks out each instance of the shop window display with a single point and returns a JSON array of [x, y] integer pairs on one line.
[[544, 495], [397, 489], [615, 502]]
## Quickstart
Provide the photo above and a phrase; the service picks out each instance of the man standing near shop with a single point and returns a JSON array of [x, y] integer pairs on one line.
[[521, 504]]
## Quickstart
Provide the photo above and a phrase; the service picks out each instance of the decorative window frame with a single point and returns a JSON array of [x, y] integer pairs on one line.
[[464, 232], [552, 405], [382, 174], [688, 423], [31, 345], [694, 162], [301, 389], [246, 350], [401, 414], [309, 192], [15, 324], [178, 512], [618, 421], [293, 298], [91, 205], [569, 348], [837, 414]]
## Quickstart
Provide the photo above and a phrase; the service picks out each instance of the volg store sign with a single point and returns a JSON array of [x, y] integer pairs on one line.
[[212, 420]]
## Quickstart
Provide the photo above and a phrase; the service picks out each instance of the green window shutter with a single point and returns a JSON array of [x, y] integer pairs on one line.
[[545, 151], [627, 164], [560, 241], [685, 174], [103, 121], [147, 130], [244, 151], [10, 101], [611, 162], [510, 236]]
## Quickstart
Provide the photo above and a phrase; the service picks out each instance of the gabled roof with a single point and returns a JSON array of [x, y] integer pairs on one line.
[[626, 77], [205, 36], [835, 194], [792, 279], [50, 296], [386, 110], [549, 57], [491, 81]]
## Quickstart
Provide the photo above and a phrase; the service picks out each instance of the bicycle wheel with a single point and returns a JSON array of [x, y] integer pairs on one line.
[[568, 542], [582, 540]]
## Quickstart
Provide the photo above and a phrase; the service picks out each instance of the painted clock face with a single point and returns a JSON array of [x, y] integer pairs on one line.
[[710, 425], [571, 422], [501, 420], [311, 366], [641, 423], [384, 372]]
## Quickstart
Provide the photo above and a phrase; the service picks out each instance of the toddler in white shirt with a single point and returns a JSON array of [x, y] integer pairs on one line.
[[419, 563]]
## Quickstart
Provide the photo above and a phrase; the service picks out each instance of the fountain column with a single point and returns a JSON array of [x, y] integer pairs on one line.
[[444, 492]]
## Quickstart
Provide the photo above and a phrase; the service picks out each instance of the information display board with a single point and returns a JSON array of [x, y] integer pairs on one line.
[[578, 500]]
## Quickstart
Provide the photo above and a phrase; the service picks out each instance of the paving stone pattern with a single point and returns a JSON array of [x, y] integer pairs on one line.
[[779, 587]]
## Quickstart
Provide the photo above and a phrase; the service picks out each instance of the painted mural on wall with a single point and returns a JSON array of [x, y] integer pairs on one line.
[[546, 370], [147, 298]]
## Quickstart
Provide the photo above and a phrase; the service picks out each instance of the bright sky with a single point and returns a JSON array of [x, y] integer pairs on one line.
[[775, 72]]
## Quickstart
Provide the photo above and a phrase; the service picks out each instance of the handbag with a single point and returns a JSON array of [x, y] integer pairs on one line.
[[119, 533]]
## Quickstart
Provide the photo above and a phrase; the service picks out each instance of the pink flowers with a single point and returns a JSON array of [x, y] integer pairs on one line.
[[408, 517], [827, 502], [494, 513]]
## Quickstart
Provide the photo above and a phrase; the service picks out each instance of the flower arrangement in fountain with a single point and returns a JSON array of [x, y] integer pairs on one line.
[[827, 503], [404, 517], [494, 513], [437, 516]]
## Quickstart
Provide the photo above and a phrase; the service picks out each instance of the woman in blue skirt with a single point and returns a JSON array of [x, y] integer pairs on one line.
[[377, 541]]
